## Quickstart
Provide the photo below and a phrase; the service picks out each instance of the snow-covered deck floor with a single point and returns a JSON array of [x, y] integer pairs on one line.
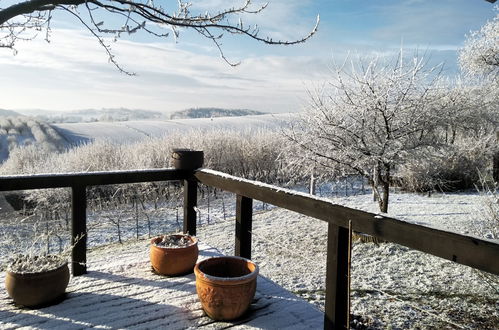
[[120, 291]]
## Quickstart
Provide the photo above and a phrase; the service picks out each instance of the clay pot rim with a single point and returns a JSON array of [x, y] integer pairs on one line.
[[193, 239], [35, 274], [226, 280]]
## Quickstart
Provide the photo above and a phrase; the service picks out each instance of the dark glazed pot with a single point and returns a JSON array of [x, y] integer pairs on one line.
[[226, 286], [187, 159], [37, 289], [173, 261]]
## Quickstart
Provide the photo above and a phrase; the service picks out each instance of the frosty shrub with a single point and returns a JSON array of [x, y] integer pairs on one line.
[[480, 54], [253, 154], [370, 117], [446, 168]]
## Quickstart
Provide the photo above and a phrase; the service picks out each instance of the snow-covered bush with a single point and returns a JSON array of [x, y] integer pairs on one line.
[[370, 117], [447, 168], [250, 154]]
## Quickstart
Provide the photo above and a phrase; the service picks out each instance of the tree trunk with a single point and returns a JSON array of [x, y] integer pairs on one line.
[[495, 164], [385, 184], [383, 202], [374, 183], [495, 168], [312, 183]]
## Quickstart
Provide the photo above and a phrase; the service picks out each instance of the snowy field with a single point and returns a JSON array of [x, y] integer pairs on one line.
[[133, 131]]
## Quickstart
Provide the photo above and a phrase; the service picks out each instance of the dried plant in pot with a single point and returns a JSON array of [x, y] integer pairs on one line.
[[37, 280], [174, 254], [226, 286]]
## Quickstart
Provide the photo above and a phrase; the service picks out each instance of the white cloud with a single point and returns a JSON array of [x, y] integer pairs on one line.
[[72, 72]]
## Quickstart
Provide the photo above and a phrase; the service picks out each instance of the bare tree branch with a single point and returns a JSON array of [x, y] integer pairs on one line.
[[137, 15]]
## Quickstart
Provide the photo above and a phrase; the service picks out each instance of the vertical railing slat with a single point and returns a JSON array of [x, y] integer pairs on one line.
[[244, 215], [335, 316], [79, 229], [190, 204]]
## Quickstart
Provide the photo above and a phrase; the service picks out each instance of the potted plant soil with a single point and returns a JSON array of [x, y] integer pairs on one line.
[[226, 286], [173, 255], [34, 281]]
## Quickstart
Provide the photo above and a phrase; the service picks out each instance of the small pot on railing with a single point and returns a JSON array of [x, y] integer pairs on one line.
[[187, 159], [38, 288], [226, 286], [173, 255]]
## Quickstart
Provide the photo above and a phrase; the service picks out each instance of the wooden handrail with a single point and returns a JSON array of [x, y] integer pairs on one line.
[[78, 182], [61, 180], [467, 250], [471, 251]]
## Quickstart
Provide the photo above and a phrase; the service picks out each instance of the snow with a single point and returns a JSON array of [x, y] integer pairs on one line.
[[121, 292], [133, 131], [392, 286]]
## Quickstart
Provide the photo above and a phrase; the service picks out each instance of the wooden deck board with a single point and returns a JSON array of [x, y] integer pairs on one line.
[[121, 291]]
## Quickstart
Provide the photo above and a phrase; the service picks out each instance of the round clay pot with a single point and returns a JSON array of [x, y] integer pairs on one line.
[[226, 286], [173, 261], [37, 289]]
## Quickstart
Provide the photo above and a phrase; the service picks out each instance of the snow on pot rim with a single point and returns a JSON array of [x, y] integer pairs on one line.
[[156, 241], [227, 280], [28, 265]]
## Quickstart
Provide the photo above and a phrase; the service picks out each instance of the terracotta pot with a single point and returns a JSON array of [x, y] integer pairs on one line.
[[173, 261], [37, 289], [226, 286]]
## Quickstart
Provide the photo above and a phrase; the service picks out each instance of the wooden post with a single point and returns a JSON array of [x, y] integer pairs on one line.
[[187, 159], [244, 215], [495, 162], [79, 229], [335, 316], [190, 204]]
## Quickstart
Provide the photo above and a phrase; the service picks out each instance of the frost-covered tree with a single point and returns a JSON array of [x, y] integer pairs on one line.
[[24, 19], [480, 57], [370, 117], [480, 54]]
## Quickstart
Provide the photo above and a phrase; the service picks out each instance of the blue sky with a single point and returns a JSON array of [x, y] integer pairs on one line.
[[72, 72]]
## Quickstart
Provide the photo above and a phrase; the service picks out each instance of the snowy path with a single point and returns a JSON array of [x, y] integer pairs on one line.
[[120, 291]]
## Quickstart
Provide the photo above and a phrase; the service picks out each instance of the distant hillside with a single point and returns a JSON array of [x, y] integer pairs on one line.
[[5, 113], [94, 115], [213, 112], [134, 131], [21, 131]]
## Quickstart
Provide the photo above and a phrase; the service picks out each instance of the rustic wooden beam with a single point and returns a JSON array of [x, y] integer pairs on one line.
[[42, 181], [79, 229], [467, 250], [244, 216], [336, 308], [190, 205]]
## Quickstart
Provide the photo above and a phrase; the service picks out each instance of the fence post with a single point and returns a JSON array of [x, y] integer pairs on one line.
[[79, 229], [336, 309], [190, 204], [187, 159], [244, 214]]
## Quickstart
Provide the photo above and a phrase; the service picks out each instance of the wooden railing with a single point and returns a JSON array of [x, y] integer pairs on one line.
[[471, 251]]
